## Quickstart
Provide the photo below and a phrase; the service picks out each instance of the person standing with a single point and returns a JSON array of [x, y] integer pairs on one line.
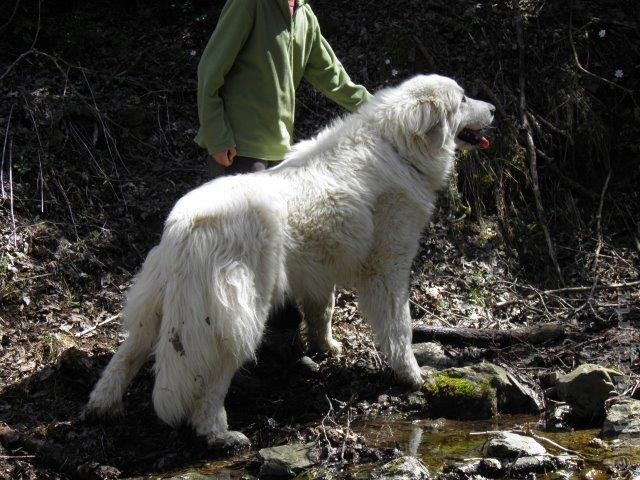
[[248, 76]]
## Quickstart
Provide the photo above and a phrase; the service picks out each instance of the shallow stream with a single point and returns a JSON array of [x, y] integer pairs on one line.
[[439, 442]]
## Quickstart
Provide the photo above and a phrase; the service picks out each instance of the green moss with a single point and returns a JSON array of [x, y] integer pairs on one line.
[[446, 385], [454, 397]]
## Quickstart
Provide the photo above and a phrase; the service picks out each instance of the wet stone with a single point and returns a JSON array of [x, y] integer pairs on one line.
[[195, 476], [316, 473], [416, 400], [285, 461], [403, 468], [432, 354], [623, 418], [512, 445], [586, 389], [490, 467], [477, 392], [558, 417]]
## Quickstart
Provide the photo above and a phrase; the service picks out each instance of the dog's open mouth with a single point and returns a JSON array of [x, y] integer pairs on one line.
[[474, 137]]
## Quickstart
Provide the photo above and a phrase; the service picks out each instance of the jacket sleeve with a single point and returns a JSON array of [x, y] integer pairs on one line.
[[233, 29], [325, 72]]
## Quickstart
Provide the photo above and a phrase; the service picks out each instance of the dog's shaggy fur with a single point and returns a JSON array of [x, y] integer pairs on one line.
[[345, 208]]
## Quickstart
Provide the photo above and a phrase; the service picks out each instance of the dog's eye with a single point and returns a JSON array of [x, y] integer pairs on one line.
[[464, 99]]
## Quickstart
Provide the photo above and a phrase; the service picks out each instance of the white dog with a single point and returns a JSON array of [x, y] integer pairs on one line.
[[345, 208]]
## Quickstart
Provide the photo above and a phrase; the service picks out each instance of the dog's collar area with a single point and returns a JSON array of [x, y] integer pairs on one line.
[[405, 159]]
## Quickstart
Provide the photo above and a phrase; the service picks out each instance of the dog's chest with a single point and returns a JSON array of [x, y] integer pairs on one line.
[[329, 227]]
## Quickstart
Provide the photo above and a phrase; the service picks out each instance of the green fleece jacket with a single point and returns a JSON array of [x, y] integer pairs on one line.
[[249, 71]]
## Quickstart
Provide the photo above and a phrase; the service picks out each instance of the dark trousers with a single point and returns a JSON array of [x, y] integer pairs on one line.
[[240, 165]]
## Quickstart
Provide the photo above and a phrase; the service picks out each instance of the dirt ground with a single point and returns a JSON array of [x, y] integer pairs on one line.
[[97, 119]]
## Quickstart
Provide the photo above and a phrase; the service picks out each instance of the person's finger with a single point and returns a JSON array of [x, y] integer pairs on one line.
[[231, 153]]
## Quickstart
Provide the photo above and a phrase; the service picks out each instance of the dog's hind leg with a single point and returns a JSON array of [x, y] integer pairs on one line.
[[215, 309], [317, 314], [209, 417], [142, 316], [384, 301]]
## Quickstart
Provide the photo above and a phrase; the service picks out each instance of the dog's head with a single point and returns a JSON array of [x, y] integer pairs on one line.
[[433, 112]]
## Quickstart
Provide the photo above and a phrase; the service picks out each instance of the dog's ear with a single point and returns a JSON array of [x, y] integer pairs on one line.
[[439, 110]]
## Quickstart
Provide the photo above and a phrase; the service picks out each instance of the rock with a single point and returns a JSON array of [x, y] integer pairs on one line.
[[286, 460], [559, 417], [199, 476], [478, 391], [432, 354], [403, 468], [416, 400], [461, 470], [533, 464], [549, 379], [586, 388], [512, 445], [316, 473], [450, 394], [598, 443], [623, 418], [490, 467]]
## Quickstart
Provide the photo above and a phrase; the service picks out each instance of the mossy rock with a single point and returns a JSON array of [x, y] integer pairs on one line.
[[477, 392], [452, 396]]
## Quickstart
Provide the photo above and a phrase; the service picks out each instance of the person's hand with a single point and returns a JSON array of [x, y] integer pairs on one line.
[[225, 157]]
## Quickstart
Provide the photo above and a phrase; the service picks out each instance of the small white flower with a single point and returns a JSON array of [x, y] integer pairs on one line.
[[192, 53], [602, 33], [387, 61], [619, 73], [394, 72]]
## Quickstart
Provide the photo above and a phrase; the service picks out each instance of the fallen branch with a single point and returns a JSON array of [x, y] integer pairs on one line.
[[55, 456], [613, 286], [490, 337]]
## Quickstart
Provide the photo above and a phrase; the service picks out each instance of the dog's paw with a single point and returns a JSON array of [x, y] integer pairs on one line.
[[334, 347], [96, 412], [412, 380], [229, 441], [330, 346]]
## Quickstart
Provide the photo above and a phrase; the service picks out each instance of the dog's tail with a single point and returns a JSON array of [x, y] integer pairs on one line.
[[143, 309], [215, 305]]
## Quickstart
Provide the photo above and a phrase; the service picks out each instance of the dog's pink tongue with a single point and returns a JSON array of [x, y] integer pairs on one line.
[[480, 140]]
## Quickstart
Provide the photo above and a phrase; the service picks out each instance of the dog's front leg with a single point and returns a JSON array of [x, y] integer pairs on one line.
[[317, 314], [384, 301]]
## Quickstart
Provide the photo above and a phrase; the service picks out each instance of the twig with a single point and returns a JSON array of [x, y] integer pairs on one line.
[[599, 234], [425, 53], [529, 433], [31, 49], [598, 287], [427, 312], [551, 163], [99, 324], [13, 14], [531, 149], [4, 149], [13, 217], [552, 443], [577, 60]]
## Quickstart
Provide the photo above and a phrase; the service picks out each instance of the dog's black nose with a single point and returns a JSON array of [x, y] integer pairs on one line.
[[492, 109]]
